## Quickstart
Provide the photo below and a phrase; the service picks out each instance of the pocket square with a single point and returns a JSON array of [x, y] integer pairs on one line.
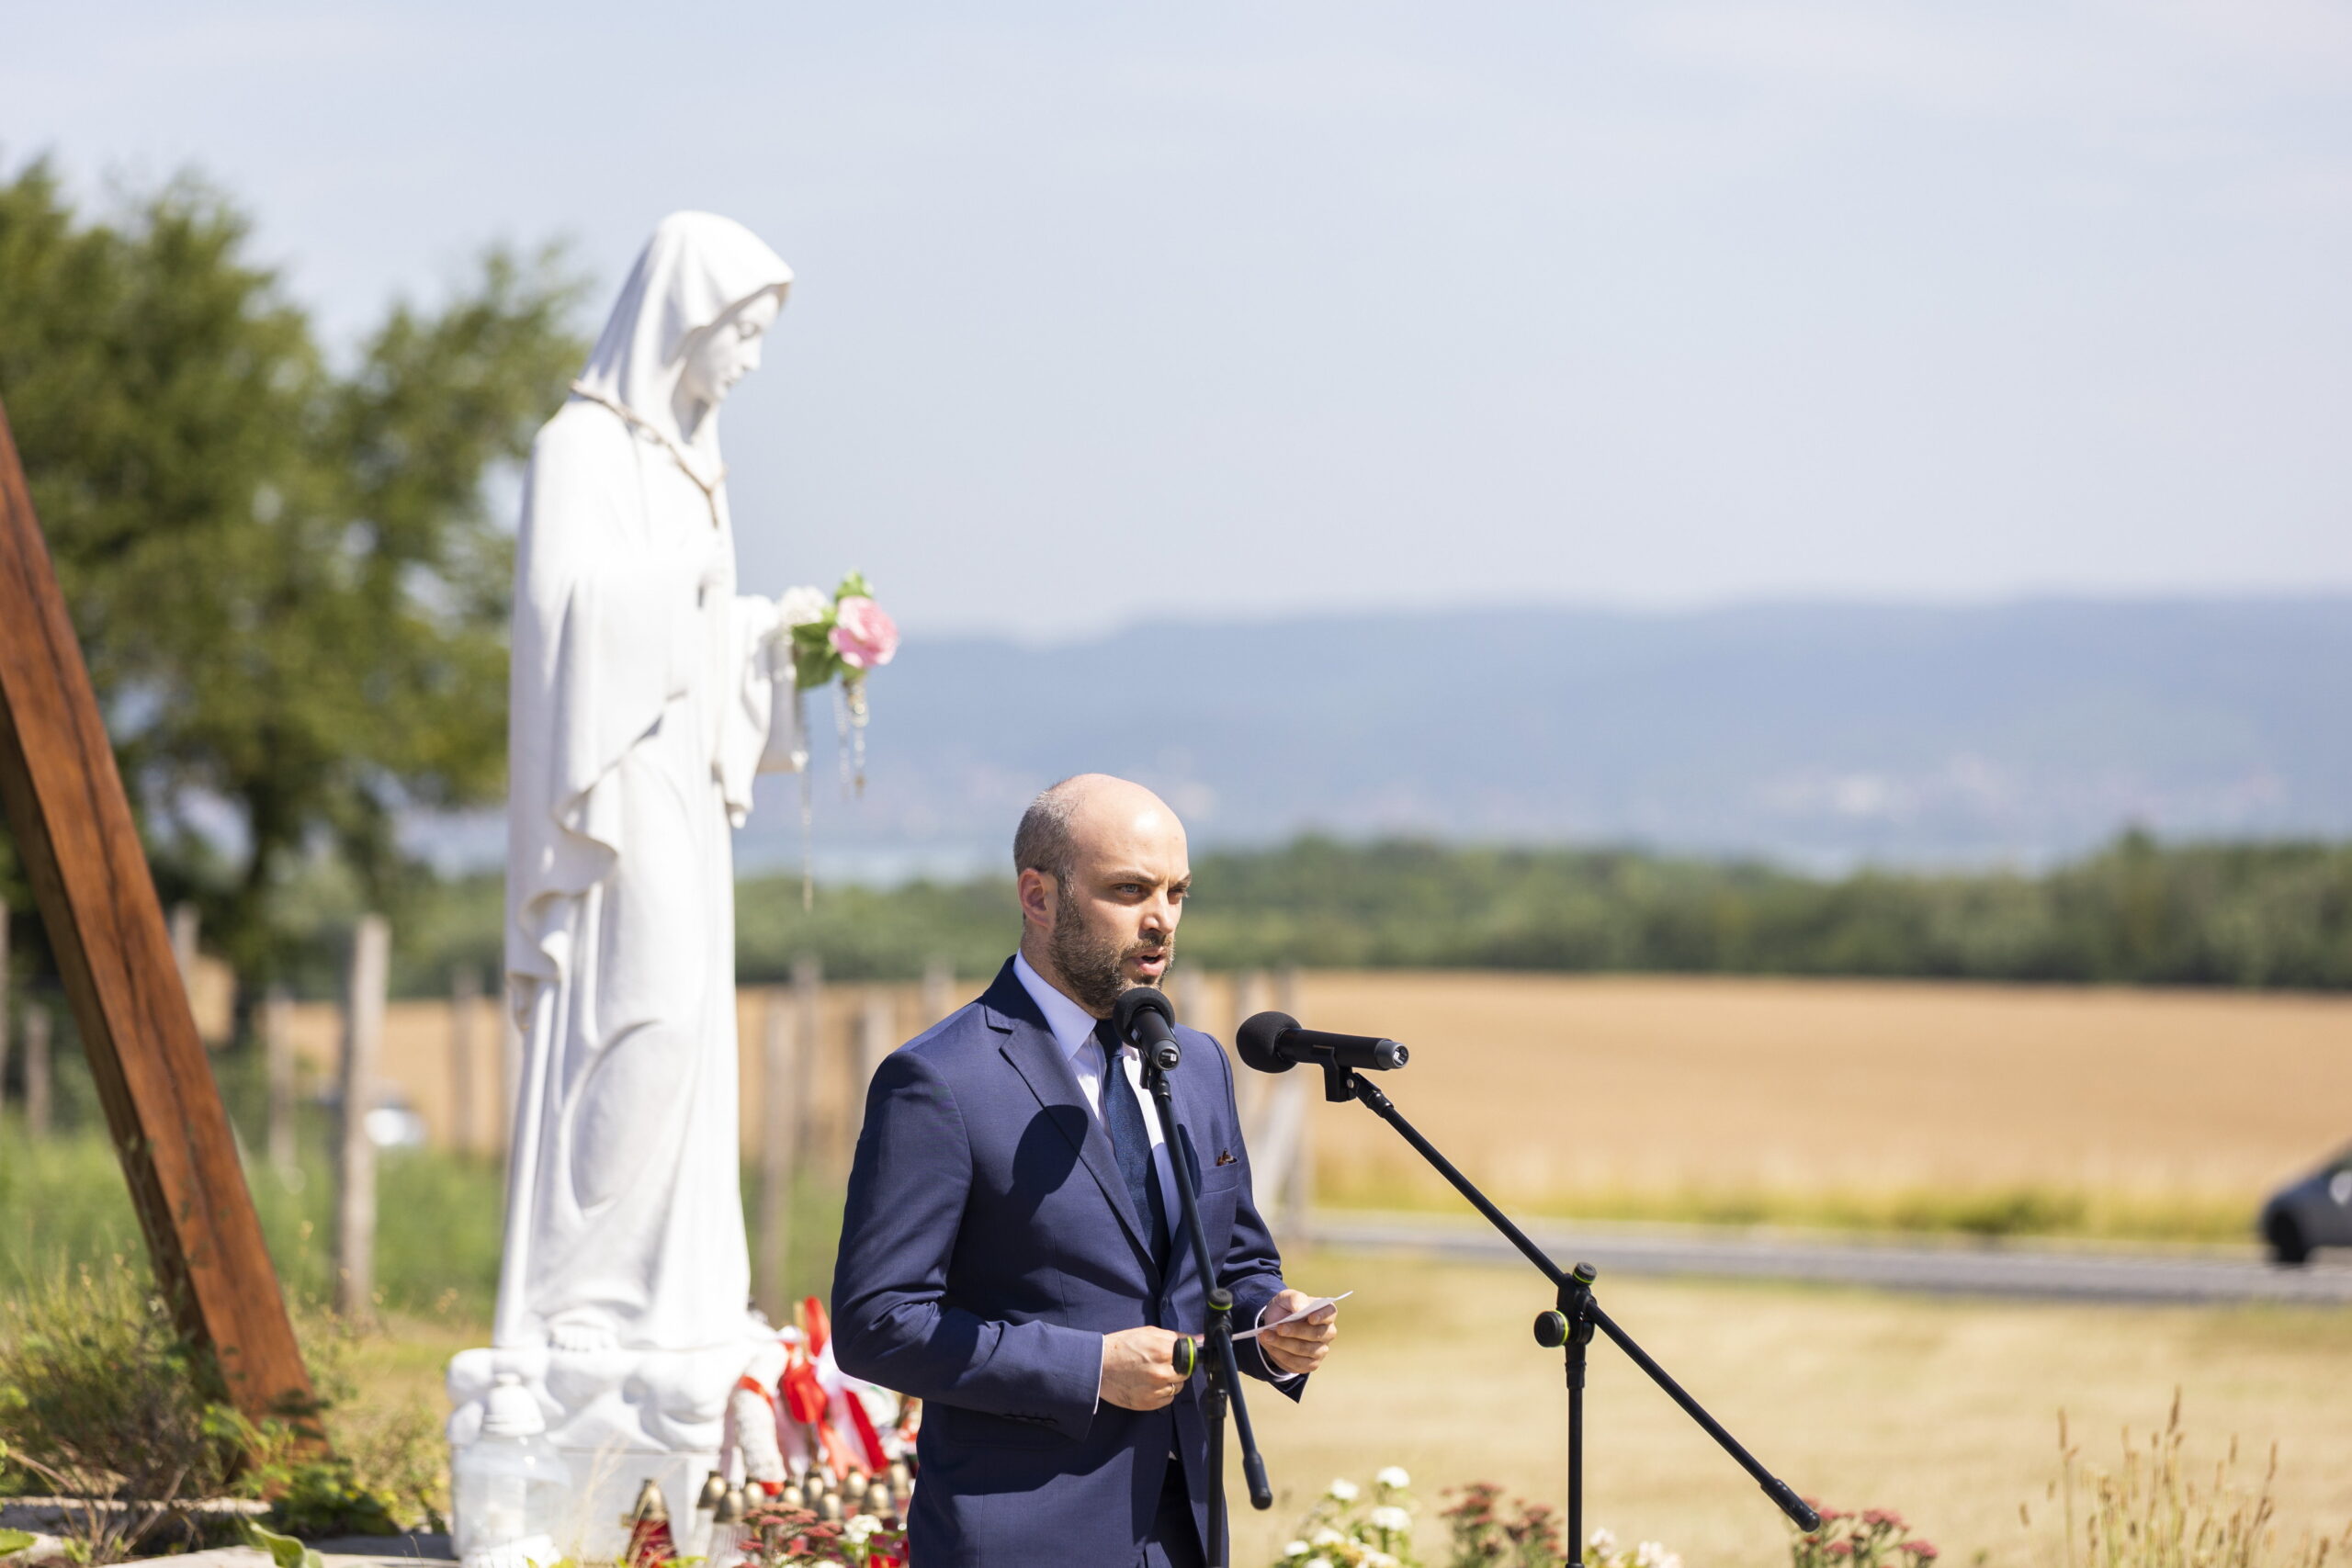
[[1224, 1157]]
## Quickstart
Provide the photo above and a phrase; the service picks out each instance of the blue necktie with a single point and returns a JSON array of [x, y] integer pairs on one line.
[[1131, 1146]]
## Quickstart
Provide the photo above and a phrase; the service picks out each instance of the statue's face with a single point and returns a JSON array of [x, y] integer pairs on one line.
[[727, 351]]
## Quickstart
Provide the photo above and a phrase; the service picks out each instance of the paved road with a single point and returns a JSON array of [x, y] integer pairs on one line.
[[1958, 1268]]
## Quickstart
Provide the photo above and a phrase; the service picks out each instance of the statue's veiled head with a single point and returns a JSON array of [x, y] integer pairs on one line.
[[688, 325]]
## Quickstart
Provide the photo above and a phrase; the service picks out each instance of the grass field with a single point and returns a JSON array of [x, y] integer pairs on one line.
[[2121, 1111], [1945, 1410], [2061, 1109]]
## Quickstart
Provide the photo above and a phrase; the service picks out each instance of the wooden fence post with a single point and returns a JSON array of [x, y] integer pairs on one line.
[[277, 1045], [1251, 994], [1290, 997], [1277, 1133], [363, 1040], [809, 1042], [938, 991], [878, 1036], [779, 1150], [465, 1003], [187, 921], [1188, 989], [36, 1104]]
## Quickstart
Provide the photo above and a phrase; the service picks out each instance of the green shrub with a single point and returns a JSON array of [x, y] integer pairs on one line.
[[100, 1398], [313, 1499]]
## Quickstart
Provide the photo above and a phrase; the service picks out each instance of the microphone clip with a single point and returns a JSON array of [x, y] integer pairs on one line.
[[1144, 1018]]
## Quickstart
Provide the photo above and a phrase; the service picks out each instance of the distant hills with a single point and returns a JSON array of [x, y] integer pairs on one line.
[[1817, 734]]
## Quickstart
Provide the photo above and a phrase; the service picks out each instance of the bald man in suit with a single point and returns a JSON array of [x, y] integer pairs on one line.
[[1012, 1250]]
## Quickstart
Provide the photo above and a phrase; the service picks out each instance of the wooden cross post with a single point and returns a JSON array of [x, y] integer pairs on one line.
[[74, 835]]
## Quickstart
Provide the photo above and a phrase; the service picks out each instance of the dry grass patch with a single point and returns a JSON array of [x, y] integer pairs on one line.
[[1945, 1410]]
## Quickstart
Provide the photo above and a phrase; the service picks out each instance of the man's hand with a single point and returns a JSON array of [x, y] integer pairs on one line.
[[1299, 1347], [1139, 1367]]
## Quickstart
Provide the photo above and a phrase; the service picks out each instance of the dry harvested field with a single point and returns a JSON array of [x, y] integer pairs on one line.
[[1587, 1091], [1943, 1409], [2156, 1112]]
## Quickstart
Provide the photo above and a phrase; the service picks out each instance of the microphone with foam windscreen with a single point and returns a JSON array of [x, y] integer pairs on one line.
[[1273, 1042], [1146, 1019]]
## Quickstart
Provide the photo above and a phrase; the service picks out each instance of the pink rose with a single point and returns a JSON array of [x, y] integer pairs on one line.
[[864, 634]]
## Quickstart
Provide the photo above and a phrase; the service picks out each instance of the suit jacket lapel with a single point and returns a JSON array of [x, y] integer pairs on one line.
[[1037, 1056]]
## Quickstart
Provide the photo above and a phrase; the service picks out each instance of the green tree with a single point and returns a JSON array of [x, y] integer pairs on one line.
[[286, 578], [2139, 912]]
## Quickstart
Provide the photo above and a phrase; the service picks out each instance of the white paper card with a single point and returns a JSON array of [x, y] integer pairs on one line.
[[1318, 1305]]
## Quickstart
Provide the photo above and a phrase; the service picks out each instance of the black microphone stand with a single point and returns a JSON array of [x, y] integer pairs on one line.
[[1224, 1369], [1571, 1325]]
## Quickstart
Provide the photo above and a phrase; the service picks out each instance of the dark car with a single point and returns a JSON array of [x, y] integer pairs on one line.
[[2315, 1211]]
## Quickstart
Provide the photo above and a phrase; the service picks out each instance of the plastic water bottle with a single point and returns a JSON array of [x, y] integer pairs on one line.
[[509, 1488]]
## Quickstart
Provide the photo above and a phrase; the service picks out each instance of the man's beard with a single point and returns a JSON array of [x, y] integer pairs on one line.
[[1094, 967]]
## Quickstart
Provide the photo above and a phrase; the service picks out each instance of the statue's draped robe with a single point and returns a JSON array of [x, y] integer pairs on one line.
[[641, 696]]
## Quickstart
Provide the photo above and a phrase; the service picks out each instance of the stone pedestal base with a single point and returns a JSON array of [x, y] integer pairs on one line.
[[619, 1418]]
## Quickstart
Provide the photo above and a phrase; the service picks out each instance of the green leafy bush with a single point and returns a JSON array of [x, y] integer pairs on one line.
[[312, 1499], [100, 1398]]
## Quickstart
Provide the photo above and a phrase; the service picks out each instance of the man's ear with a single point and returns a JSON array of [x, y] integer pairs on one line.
[[1038, 896]]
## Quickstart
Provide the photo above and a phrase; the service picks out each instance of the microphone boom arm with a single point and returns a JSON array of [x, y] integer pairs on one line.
[[1577, 1317]]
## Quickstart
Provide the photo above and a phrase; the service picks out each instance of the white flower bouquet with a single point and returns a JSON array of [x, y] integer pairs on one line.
[[1348, 1528]]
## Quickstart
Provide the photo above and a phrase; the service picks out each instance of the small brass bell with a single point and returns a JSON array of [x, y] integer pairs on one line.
[[877, 1498], [829, 1507], [792, 1496], [652, 1508], [714, 1492], [730, 1507]]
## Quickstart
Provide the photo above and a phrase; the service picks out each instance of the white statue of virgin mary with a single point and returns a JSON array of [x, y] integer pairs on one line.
[[641, 696]]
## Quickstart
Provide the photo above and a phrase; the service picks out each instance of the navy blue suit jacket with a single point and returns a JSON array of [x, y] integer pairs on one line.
[[989, 1245]]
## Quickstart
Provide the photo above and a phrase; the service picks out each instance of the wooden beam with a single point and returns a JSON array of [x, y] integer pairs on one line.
[[74, 835]]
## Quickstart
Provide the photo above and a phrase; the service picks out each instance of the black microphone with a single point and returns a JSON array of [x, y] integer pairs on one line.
[[1144, 1018], [1273, 1042]]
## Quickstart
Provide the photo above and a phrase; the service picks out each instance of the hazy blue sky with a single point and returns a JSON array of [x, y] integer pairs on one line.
[[1221, 309]]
